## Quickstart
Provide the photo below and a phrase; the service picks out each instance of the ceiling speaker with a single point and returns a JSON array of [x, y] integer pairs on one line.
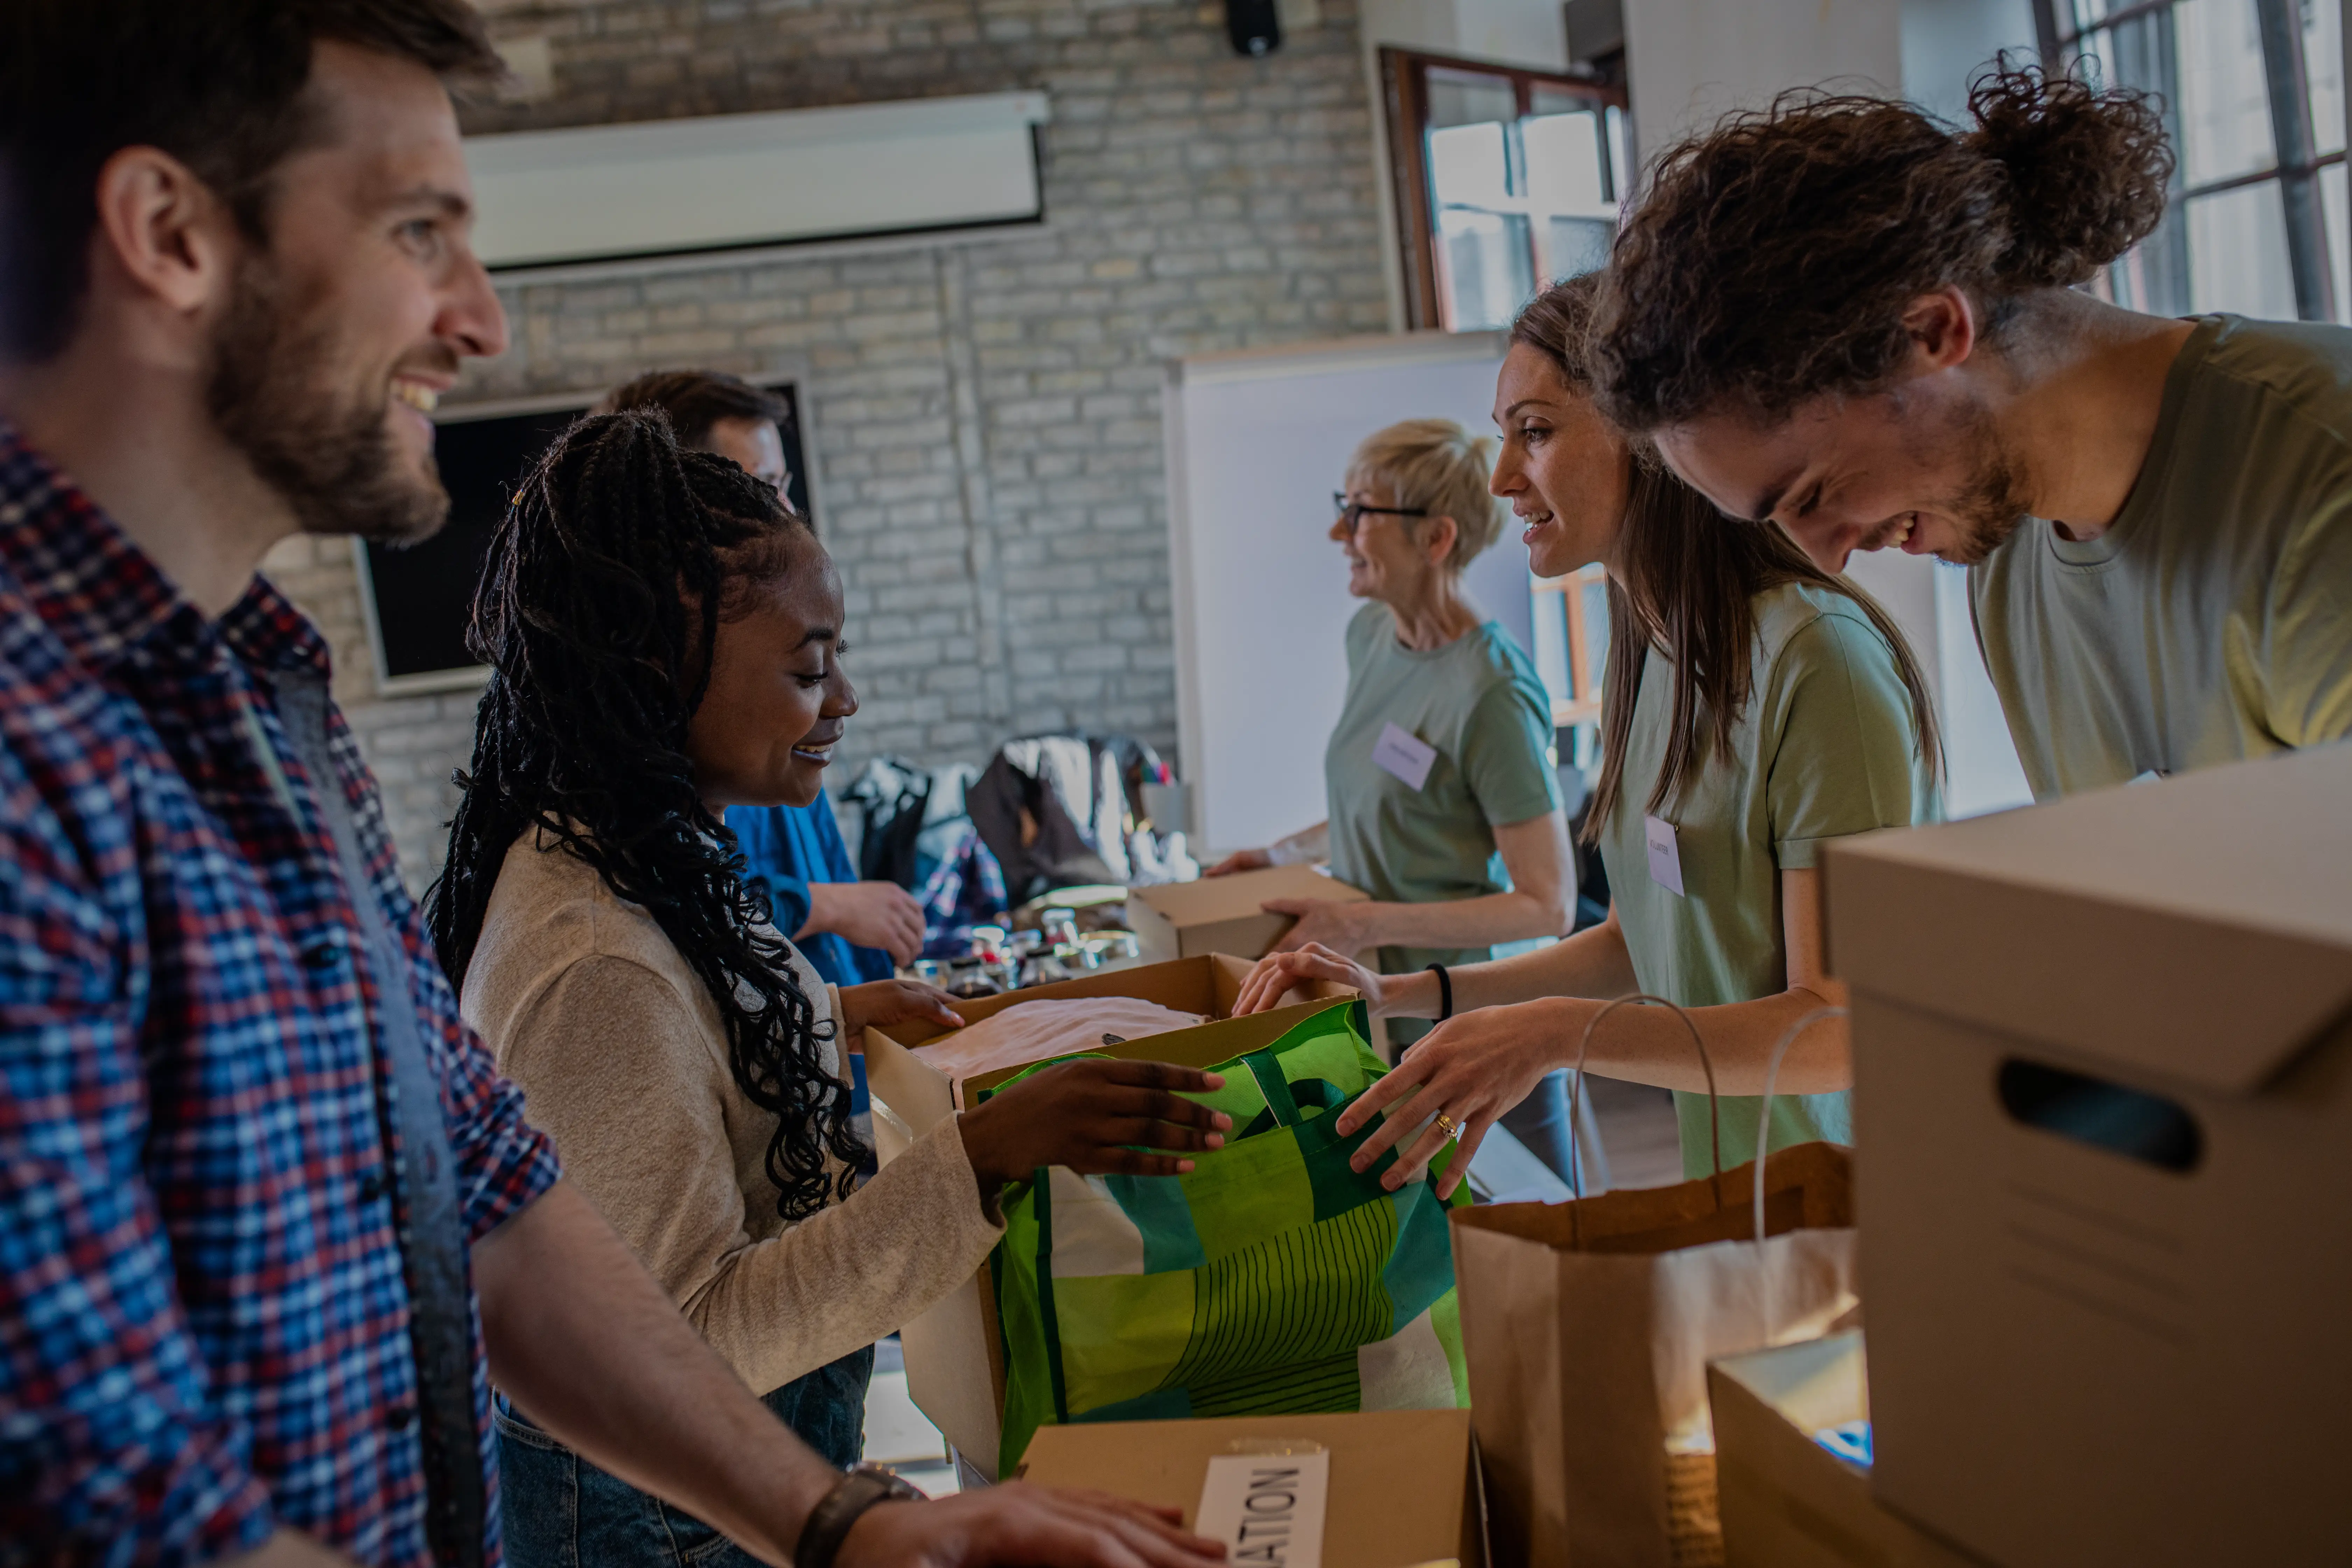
[[1254, 25]]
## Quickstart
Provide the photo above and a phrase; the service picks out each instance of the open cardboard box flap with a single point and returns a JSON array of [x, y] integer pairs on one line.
[[2216, 907], [1785, 1500], [955, 1356], [1405, 1488]]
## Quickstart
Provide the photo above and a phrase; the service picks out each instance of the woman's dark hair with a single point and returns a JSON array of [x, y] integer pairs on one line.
[[1772, 259], [218, 84], [598, 612], [1685, 580]]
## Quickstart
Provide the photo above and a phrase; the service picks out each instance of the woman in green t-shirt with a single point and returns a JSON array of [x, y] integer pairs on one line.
[[1438, 775], [1771, 707]]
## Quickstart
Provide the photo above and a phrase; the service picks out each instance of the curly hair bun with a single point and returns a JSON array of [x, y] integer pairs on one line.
[[2088, 172], [1774, 258]]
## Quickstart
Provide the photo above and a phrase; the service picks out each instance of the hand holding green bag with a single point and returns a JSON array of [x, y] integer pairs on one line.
[[1270, 1280]]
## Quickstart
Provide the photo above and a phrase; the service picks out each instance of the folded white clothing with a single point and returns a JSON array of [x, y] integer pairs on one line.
[[1038, 1031]]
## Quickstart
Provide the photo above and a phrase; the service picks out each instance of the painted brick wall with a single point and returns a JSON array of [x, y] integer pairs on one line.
[[984, 410]]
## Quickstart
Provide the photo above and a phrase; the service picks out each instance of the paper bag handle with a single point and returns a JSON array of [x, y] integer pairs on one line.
[[1764, 1111], [1714, 1112]]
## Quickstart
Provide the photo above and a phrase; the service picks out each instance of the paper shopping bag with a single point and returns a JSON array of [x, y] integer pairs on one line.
[[1587, 1327]]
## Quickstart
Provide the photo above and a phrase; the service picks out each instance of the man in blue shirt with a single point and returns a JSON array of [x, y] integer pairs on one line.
[[852, 931]]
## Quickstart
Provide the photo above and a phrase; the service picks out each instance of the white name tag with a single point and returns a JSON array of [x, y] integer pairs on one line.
[[1665, 854], [1267, 1509], [1403, 756]]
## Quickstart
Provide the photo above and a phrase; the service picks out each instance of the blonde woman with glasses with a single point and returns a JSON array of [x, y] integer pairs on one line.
[[1443, 805]]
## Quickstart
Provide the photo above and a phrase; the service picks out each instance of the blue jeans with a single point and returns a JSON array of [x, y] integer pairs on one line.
[[561, 1511]]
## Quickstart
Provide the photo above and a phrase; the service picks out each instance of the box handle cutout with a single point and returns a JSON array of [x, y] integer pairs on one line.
[[2127, 1121]]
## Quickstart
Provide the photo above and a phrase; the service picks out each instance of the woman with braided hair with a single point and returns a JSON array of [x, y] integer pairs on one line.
[[664, 641]]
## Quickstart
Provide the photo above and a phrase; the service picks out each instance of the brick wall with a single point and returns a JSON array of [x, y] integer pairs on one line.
[[984, 410]]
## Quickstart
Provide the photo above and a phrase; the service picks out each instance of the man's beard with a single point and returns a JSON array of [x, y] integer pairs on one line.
[[1993, 502], [325, 448]]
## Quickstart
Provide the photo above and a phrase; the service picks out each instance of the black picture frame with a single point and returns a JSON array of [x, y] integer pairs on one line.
[[416, 599]]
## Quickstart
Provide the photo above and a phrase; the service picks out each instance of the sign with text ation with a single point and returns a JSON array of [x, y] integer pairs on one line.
[[1267, 1509]]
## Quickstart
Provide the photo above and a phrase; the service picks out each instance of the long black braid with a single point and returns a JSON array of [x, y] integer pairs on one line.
[[597, 615]]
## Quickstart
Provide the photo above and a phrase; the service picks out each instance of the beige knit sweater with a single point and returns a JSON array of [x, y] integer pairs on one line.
[[621, 1059]]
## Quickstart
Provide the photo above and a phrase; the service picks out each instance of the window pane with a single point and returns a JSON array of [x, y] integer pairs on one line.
[[1618, 183], [1564, 173], [1575, 245], [2237, 253], [2153, 276], [1464, 97], [1484, 271], [1469, 164], [2322, 68], [2225, 111], [2091, 13], [2339, 237]]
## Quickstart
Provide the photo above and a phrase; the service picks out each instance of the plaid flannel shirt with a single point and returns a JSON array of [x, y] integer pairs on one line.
[[204, 1323]]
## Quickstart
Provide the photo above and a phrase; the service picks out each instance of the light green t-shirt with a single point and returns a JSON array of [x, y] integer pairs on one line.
[[2213, 621], [1827, 747], [1478, 702]]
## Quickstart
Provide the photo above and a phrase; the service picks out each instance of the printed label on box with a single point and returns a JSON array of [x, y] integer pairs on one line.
[[1267, 1509]]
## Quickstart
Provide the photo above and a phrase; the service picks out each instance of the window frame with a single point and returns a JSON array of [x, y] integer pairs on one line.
[[1404, 83], [2296, 162]]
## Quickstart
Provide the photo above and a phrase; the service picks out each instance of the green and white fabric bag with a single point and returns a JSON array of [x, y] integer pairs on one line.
[[1271, 1280]]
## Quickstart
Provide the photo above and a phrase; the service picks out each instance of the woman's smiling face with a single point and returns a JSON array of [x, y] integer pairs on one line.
[[778, 699], [1564, 471]]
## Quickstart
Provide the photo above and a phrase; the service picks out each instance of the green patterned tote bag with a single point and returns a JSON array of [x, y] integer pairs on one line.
[[1271, 1280]]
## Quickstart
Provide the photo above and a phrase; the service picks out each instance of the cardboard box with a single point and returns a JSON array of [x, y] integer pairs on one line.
[[1404, 1488], [2103, 1058], [1221, 914], [955, 1356], [1786, 1501]]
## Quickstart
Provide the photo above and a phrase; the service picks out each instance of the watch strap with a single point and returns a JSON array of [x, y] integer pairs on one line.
[[828, 1523]]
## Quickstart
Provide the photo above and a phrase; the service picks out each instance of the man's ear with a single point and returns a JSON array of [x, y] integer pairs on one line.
[[1943, 329], [162, 234]]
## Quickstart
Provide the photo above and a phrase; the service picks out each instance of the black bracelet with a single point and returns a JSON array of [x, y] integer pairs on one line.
[[1444, 992], [829, 1522]]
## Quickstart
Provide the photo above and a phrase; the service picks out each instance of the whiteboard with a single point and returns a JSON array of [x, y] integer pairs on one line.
[[1257, 440]]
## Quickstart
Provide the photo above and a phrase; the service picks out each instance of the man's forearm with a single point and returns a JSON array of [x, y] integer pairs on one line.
[[581, 1338]]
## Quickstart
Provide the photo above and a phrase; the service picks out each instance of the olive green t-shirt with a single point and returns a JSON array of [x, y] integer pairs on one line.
[[2213, 621], [1476, 701], [1827, 747]]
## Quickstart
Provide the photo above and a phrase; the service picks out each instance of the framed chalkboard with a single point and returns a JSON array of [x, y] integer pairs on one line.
[[416, 599]]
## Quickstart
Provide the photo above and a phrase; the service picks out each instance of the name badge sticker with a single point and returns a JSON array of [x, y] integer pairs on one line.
[[1403, 756], [1665, 854], [1267, 1509]]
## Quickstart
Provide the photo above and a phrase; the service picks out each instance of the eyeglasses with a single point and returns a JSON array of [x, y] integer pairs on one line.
[[1353, 513]]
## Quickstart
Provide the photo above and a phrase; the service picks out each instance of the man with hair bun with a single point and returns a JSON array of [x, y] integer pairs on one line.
[[1848, 319]]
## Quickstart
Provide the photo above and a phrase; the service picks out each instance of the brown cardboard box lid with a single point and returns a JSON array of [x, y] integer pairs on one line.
[[1404, 1486], [1210, 899], [2198, 927]]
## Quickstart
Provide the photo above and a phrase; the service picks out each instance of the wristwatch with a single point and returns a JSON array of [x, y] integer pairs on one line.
[[829, 1522]]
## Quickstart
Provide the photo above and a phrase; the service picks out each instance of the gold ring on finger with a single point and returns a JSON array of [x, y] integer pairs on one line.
[[1451, 1128]]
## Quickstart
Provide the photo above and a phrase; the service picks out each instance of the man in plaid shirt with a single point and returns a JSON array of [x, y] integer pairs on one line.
[[269, 1217]]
